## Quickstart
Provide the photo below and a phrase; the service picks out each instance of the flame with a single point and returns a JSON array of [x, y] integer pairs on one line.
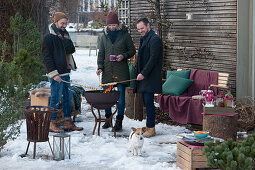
[[110, 86], [33, 114], [108, 89]]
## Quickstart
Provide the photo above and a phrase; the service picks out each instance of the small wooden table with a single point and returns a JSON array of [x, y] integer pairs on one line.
[[221, 122]]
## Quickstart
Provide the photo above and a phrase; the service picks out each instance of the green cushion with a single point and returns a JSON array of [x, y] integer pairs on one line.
[[183, 73], [175, 85]]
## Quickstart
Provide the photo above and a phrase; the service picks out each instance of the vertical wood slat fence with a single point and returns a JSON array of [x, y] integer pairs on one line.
[[202, 34]]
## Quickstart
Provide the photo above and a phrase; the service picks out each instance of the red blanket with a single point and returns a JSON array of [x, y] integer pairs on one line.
[[184, 109]]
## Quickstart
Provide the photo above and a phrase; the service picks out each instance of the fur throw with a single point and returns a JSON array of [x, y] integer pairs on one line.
[[41, 92]]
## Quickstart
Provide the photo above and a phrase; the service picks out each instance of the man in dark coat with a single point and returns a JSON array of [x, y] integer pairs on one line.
[[57, 52], [116, 47], [148, 70]]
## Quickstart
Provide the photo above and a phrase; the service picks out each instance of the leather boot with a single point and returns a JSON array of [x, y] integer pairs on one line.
[[69, 125], [118, 124], [149, 132], [107, 124], [54, 127]]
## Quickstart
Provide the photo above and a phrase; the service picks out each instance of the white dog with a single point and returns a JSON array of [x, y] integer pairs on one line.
[[136, 140]]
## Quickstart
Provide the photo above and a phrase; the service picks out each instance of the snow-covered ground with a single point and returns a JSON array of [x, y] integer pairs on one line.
[[91, 151]]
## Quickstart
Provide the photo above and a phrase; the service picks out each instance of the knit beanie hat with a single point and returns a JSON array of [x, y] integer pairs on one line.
[[112, 18], [58, 16]]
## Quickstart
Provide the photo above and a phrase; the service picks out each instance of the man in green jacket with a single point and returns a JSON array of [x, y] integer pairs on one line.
[[116, 47]]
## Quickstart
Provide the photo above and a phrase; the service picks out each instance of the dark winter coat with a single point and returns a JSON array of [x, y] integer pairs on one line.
[[54, 56], [114, 71], [149, 64]]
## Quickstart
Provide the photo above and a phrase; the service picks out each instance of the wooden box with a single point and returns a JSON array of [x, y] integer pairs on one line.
[[39, 101], [190, 158]]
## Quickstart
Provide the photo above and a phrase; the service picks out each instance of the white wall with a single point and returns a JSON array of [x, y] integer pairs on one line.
[[245, 52]]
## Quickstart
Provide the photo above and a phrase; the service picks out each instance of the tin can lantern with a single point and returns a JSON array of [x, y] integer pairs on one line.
[[61, 146], [208, 97], [229, 100]]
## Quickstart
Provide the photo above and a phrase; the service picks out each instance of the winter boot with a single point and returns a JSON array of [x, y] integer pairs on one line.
[[118, 124], [149, 132], [107, 123], [69, 125], [54, 127]]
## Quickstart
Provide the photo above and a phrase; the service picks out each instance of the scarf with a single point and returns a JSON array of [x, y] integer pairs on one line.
[[112, 35], [66, 40]]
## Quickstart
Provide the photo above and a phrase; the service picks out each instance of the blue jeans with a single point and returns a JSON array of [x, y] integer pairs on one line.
[[121, 101], [57, 90], [148, 100]]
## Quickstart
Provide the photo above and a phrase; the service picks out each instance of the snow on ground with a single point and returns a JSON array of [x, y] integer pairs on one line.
[[91, 151]]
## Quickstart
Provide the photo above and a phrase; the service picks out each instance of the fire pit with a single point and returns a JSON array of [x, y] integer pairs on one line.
[[99, 100], [38, 122], [102, 100]]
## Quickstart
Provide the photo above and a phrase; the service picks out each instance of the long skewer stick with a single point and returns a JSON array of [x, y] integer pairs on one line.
[[87, 87], [114, 83]]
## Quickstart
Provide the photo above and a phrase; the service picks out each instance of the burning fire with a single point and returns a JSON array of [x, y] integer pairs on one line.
[[33, 114], [110, 86], [108, 89]]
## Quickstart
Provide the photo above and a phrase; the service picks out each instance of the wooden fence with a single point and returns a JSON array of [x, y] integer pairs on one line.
[[198, 34]]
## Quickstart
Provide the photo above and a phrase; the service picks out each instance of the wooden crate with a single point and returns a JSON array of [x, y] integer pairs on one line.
[[39, 101], [190, 158]]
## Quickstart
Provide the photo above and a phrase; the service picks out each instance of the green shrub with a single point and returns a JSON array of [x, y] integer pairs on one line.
[[26, 49], [25, 36], [20, 68], [27, 67], [12, 100], [231, 155]]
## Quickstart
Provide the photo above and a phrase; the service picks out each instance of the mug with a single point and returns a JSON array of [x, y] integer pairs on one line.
[[112, 58]]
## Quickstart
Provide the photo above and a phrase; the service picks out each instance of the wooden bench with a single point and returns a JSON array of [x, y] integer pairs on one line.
[[89, 41], [192, 100], [222, 80]]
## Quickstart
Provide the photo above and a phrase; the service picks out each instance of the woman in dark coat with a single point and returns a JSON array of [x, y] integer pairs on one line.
[[117, 43]]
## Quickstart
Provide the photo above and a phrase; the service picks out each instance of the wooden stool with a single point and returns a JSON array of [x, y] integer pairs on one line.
[[221, 122], [134, 105]]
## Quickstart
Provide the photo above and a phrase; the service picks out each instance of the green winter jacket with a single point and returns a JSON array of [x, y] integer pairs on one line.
[[114, 71]]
